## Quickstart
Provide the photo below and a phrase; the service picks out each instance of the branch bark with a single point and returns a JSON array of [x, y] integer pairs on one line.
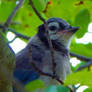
[[48, 37], [51, 50], [8, 21], [19, 34], [84, 66], [7, 63], [7, 56], [86, 59]]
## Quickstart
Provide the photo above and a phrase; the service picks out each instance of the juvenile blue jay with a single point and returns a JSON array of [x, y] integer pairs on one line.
[[61, 34]]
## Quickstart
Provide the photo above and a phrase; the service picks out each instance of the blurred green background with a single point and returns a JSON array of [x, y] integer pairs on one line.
[[75, 12]]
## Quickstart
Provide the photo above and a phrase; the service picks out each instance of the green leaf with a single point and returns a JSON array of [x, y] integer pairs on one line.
[[58, 88], [28, 25], [82, 49], [74, 68], [61, 88], [82, 20], [62, 7], [51, 89], [82, 77], [34, 85], [88, 90], [40, 4], [6, 8]]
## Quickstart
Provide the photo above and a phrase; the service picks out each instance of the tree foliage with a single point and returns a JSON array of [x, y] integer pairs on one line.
[[76, 12]]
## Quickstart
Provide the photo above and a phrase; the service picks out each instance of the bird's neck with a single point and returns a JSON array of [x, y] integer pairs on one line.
[[56, 45], [40, 40]]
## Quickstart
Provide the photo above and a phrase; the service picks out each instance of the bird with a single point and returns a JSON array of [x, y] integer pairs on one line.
[[61, 34]]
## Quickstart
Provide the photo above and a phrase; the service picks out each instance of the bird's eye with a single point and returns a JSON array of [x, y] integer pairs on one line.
[[53, 28]]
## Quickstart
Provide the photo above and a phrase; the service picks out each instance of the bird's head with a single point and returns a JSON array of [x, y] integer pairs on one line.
[[59, 30]]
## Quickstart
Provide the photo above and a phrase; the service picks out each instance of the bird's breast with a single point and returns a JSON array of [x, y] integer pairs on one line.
[[62, 66]]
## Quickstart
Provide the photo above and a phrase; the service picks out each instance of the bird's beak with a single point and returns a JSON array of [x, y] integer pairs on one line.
[[74, 29], [68, 31]]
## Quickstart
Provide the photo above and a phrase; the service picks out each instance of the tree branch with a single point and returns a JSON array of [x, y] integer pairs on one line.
[[7, 56], [8, 22], [7, 63], [84, 66], [41, 72], [18, 34], [48, 37], [81, 57], [46, 74], [51, 50], [49, 75]]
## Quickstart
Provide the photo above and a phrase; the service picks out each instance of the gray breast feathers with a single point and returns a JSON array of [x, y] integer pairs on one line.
[[62, 67]]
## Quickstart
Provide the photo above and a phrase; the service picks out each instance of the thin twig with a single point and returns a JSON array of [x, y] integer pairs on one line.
[[51, 50], [81, 57], [18, 34], [46, 74], [84, 66], [30, 53], [8, 22], [48, 37], [12, 40], [38, 70], [37, 13], [49, 75], [15, 23]]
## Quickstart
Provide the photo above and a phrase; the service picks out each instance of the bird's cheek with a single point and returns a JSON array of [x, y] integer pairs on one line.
[[65, 34], [62, 33]]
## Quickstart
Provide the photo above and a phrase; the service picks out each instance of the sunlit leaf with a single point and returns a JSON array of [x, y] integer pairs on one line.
[[82, 20], [40, 4], [88, 90], [6, 8], [34, 85], [82, 77], [82, 49], [28, 25]]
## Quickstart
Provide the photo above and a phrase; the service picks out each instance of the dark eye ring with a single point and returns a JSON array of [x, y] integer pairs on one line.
[[53, 28]]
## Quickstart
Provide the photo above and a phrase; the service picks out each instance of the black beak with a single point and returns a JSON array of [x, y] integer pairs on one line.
[[74, 29]]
